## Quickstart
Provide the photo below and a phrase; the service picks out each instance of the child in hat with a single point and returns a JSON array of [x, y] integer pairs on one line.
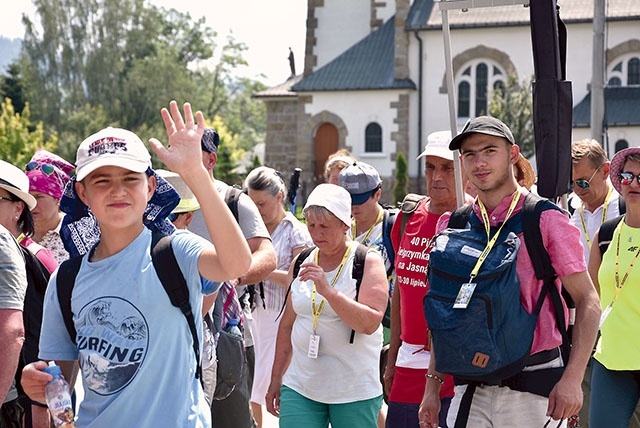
[[134, 347]]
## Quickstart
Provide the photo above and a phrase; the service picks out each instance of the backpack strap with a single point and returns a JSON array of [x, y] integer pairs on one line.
[[357, 273], [65, 281], [532, 209], [408, 206], [460, 217], [622, 205], [301, 258], [172, 279], [296, 269], [388, 220], [231, 198], [605, 233]]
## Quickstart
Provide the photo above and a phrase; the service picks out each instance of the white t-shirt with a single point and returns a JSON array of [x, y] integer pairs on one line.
[[593, 220], [343, 372], [135, 348]]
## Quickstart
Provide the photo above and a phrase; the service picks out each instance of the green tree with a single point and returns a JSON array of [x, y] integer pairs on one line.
[[226, 168], [12, 87], [513, 104], [19, 138], [401, 187], [125, 55]]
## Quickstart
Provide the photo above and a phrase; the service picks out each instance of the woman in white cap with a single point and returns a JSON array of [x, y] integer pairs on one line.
[[323, 373]]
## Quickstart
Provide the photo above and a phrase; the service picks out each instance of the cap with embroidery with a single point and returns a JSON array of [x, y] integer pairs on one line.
[[111, 147]]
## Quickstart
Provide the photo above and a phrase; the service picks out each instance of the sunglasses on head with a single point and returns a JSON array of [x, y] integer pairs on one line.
[[585, 184], [626, 178], [46, 168]]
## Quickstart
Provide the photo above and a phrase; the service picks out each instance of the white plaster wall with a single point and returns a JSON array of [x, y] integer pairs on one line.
[[341, 24], [387, 11], [357, 109], [629, 133]]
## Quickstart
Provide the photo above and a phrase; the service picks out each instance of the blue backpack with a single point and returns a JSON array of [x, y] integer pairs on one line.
[[489, 340]]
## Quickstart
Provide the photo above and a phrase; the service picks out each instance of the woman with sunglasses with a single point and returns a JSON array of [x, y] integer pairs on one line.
[[615, 375], [48, 175], [15, 215]]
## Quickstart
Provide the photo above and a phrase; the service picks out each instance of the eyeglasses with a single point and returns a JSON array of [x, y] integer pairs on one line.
[[586, 184], [626, 178], [46, 168], [173, 217], [4, 198], [549, 421]]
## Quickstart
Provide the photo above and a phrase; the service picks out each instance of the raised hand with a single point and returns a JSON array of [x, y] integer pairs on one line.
[[183, 152]]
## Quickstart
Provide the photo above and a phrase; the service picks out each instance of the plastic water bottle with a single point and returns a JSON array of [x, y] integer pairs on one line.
[[232, 327], [59, 398]]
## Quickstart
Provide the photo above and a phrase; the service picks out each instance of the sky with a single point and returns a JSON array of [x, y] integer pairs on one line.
[[267, 27]]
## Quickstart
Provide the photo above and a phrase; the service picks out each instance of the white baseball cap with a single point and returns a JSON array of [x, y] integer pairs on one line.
[[111, 147], [334, 198], [438, 145]]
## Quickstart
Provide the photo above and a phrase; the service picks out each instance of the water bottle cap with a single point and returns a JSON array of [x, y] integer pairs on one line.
[[53, 369]]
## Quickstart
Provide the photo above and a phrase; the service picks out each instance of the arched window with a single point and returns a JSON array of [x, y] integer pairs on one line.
[[373, 138], [621, 145], [633, 72], [625, 71], [476, 83]]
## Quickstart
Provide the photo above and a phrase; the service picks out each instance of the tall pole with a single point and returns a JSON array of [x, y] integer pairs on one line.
[[451, 92], [597, 73]]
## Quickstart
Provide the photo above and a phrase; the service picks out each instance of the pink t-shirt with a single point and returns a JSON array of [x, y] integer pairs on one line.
[[562, 241]]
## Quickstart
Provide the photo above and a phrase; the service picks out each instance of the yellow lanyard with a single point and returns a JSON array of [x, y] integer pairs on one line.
[[620, 284], [487, 228], [369, 232], [605, 207], [316, 310]]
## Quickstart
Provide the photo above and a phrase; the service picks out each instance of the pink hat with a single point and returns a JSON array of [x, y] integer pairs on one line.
[[48, 173], [617, 163]]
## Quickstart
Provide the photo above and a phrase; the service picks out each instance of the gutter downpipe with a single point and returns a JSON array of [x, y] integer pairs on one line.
[[420, 161]]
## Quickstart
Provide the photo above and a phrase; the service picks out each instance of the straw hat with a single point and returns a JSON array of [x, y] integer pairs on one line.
[[188, 201], [525, 170]]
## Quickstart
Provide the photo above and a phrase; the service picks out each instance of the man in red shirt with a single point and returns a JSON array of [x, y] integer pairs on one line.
[[408, 358]]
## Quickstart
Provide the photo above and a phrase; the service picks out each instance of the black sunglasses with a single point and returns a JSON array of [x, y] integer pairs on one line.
[[626, 178]]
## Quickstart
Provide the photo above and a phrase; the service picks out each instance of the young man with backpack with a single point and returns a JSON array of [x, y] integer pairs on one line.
[[488, 153], [234, 411], [408, 358]]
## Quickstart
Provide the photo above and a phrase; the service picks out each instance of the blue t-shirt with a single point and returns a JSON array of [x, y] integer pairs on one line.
[[135, 348]]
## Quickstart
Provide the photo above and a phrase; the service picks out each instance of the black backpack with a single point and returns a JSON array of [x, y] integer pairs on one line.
[[605, 233], [169, 273]]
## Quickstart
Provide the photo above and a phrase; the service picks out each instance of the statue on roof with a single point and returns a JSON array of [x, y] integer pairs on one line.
[[292, 64]]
